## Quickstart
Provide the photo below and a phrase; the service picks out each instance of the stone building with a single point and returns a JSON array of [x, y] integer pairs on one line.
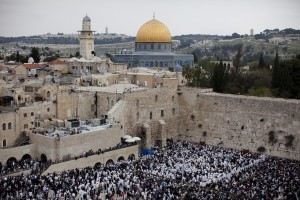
[[153, 48]]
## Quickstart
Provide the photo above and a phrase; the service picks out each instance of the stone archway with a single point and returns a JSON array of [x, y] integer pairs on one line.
[[131, 157], [97, 165], [26, 157], [110, 162], [11, 161], [43, 158], [120, 159]]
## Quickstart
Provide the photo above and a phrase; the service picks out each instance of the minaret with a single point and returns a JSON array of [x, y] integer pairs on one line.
[[86, 38]]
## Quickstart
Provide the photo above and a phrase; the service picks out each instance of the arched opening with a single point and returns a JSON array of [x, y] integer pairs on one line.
[[110, 162], [11, 161], [173, 111], [137, 116], [156, 98], [120, 159], [137, 103], [150, 115], [4, 126], [4, 143], [97, 165], [173, 98], [48, 94], [9, 125], [131, 157], [26, 157], [43, 158]]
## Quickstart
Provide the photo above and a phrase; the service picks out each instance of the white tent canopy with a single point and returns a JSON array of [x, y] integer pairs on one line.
[[126, 136]]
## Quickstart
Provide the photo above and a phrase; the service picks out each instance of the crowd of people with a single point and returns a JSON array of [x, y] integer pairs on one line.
[[181, 170]]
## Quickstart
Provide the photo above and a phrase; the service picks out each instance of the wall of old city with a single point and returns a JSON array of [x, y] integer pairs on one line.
[[241, 122], [150, 106]]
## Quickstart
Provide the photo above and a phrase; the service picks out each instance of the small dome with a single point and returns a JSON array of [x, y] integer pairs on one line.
[[153, 31], [177, 68], [31, 60], [86, 19]]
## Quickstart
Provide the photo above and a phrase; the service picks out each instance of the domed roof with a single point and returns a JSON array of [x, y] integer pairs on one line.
[[153, 31], [86, 19], [178, 68]]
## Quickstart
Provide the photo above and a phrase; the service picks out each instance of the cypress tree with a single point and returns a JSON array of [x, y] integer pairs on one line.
[[261, 62], [35, 54], [275, 73], [219, 78]]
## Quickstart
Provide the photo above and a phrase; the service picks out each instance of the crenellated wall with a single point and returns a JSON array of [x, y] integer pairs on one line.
[[241, 122]]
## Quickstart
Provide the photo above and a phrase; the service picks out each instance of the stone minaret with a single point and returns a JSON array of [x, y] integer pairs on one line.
[[86, 38]]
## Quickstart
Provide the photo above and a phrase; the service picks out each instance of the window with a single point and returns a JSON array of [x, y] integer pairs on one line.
[[173, 111], [173, 98], [25, 126], [9, 125], [150, 115], [162, 113], [4, 126], [48, 94], [137, 103], [25, 114], [156, 98], [32, 114], [4, 143], [48, 109], [137, 116]]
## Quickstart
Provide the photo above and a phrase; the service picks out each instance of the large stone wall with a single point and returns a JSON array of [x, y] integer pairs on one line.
[[138, 106], [240, 122]]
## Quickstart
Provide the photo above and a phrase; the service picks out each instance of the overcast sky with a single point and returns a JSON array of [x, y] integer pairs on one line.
[[222, 17]]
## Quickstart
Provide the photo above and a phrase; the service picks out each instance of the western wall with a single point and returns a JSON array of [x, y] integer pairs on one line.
[[240, 122]]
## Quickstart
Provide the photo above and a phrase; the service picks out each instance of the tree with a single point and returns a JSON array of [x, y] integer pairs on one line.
[[18, 57], [261, 62], [219, 78], [207, 71], [237, 61], [275, 72], [35, 54]]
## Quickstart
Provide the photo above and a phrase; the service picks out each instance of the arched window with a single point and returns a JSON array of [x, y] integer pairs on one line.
[[4, 143], [48, 94], [137, 116], [9, 125], [150, 115], [156, 98], [173, 111], [137, 103], [173, 98], [4, 126]]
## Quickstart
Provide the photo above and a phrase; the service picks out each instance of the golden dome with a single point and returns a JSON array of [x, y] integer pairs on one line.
[[153, 31]]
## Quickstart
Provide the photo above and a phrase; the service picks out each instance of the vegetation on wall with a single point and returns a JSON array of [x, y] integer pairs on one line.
[[289, 140], [261, 149]]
